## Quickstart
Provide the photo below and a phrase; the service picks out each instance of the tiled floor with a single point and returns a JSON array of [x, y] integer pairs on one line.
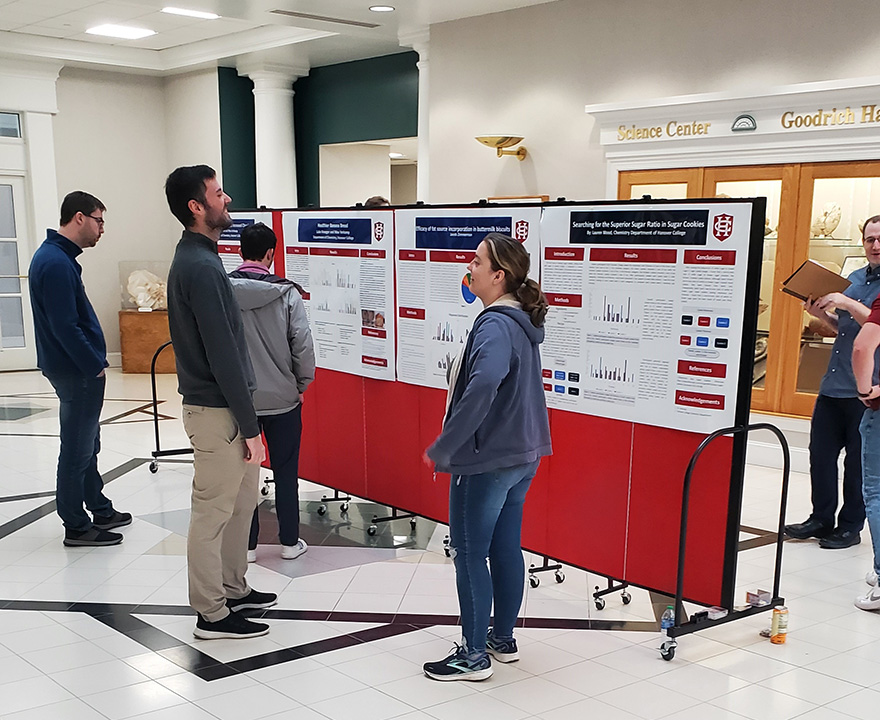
[[106, 633]]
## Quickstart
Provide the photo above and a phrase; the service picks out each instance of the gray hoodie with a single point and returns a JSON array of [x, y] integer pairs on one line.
[[279, 341]]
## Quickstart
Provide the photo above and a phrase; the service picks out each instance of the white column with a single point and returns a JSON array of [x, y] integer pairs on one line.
[[419, 41], [273, 131]]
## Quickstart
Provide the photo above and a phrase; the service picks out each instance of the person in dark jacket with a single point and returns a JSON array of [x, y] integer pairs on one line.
[[283, 355], [72, 354], [216, 381], [494, 434]]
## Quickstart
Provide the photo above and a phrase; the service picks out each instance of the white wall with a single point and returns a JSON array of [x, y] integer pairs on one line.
[[192, 120], [531, 71], [350, 173]]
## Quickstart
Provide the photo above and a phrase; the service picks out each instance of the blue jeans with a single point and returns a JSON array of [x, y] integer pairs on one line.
[[78, 481], [870, 429], [485, 520], [283, 434]]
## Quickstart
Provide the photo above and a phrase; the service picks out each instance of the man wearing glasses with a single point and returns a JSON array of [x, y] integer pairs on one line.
[[72, 354]]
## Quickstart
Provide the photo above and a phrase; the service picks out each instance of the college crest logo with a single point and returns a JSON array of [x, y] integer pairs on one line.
[[379, 231], [521, 230], [722, 227]]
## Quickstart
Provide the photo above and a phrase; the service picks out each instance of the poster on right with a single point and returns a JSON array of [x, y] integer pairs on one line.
[[646, 316]]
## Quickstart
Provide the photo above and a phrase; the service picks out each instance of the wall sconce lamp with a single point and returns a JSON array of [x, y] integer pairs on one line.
[[499, 142]]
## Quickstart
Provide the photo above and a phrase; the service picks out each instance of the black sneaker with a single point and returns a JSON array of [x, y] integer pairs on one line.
[[93, 537], [254, 600], [115, 520], [232, 626], [458, 667], [502, 650]]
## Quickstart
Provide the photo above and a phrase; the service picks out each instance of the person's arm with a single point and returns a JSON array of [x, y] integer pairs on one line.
[[299, 338], [827, 304], [487, 365], [213, 306], [60, 286], [864, 348]]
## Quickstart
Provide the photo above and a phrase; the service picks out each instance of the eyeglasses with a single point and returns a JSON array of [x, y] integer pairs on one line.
[[871, 240], [98, 220]]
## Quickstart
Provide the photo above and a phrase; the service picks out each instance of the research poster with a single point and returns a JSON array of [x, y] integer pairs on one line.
[[435, 307], [645, 323], [344, 260], [230, 239]]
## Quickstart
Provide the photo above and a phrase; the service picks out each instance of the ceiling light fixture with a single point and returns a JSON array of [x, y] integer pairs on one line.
[[381, 8], [126, 32], [396, 155], [190, 13]]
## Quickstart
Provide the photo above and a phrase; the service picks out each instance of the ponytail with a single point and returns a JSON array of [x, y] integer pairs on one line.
[[533, 301]]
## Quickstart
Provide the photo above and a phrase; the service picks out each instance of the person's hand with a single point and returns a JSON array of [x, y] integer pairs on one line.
[[254, 453], [873, 395], [830, 302], [428, 462]]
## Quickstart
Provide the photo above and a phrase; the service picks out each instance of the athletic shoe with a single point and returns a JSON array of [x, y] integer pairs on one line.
[[93, 537], [114, 520], [291, 552], [458, 667], [254, 600], [502, 650], [232, 626], [252, 556], [871, 601], [871, 578]]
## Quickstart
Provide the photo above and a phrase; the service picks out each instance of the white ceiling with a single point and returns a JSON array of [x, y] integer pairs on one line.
[[340, 30]]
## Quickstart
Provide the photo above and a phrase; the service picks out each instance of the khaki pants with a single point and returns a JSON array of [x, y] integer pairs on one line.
[[224, 495]]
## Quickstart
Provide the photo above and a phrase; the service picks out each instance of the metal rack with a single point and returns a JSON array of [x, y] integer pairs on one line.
[[701, 621], [159, 452]]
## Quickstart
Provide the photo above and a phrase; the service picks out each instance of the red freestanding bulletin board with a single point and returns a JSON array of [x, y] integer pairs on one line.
[[609, 498]]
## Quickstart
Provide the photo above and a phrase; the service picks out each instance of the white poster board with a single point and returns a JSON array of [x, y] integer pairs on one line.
[[646, 314], [230, 239], [344, 260], [435, 306]]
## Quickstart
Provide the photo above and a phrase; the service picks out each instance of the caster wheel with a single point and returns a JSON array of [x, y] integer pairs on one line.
[[372, 530], [154, 467], [534, 581], [322, 509], [626, 597], [560, 576], [412, 523], [667, 650], [447, 552], [264, 490], [600, 603], [343, 508]]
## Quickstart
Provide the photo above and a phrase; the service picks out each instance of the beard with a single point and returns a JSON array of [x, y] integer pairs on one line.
[[218, 220]]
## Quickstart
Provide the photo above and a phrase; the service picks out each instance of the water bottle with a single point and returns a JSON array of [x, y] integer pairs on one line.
[[667, 619]]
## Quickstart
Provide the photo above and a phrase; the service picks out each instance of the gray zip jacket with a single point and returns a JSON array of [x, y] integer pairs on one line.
[[279, 341]]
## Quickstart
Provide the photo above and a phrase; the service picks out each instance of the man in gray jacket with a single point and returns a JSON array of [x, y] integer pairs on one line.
[[281, 350]]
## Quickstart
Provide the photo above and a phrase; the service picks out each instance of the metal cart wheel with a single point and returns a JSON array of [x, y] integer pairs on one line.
[[322, 509], [343, 508], [534, 581], [372, 530], [626, 597], [600, 603], [154, 467], [667, 649], [560, 576]]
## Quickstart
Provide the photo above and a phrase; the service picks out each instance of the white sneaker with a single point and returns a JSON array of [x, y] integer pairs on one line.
[[289, 552], [871, 578], [871, 601], [252, 556]]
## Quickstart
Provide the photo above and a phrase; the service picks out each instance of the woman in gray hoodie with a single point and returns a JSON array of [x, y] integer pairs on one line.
[[494, 434]]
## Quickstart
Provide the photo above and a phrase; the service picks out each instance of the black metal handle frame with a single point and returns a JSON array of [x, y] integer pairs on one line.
[[684, 628], [158, 452]]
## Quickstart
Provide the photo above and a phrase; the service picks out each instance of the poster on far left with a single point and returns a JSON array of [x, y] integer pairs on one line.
[[344, 259], [230, 238]]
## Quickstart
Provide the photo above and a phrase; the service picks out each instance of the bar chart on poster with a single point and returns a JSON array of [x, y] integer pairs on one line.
[[436, 307], [344, 260], [646, 311]]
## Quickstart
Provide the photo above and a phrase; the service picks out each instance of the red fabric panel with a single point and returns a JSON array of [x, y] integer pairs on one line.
[[340, 430], [660, 459], [391, 424], [308, 449], [435, 490], [587, 490]]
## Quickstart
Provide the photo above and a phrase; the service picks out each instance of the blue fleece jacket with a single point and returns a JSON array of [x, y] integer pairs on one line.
[[70, 341], [497, 417]]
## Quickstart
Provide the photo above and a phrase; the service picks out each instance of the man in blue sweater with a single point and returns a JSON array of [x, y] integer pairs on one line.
[[72, 354]]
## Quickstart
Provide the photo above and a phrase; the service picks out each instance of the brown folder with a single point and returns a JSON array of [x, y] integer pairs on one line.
[[812, 280]]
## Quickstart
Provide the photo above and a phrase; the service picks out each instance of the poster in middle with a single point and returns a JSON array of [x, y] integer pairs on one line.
[[436, 308]]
